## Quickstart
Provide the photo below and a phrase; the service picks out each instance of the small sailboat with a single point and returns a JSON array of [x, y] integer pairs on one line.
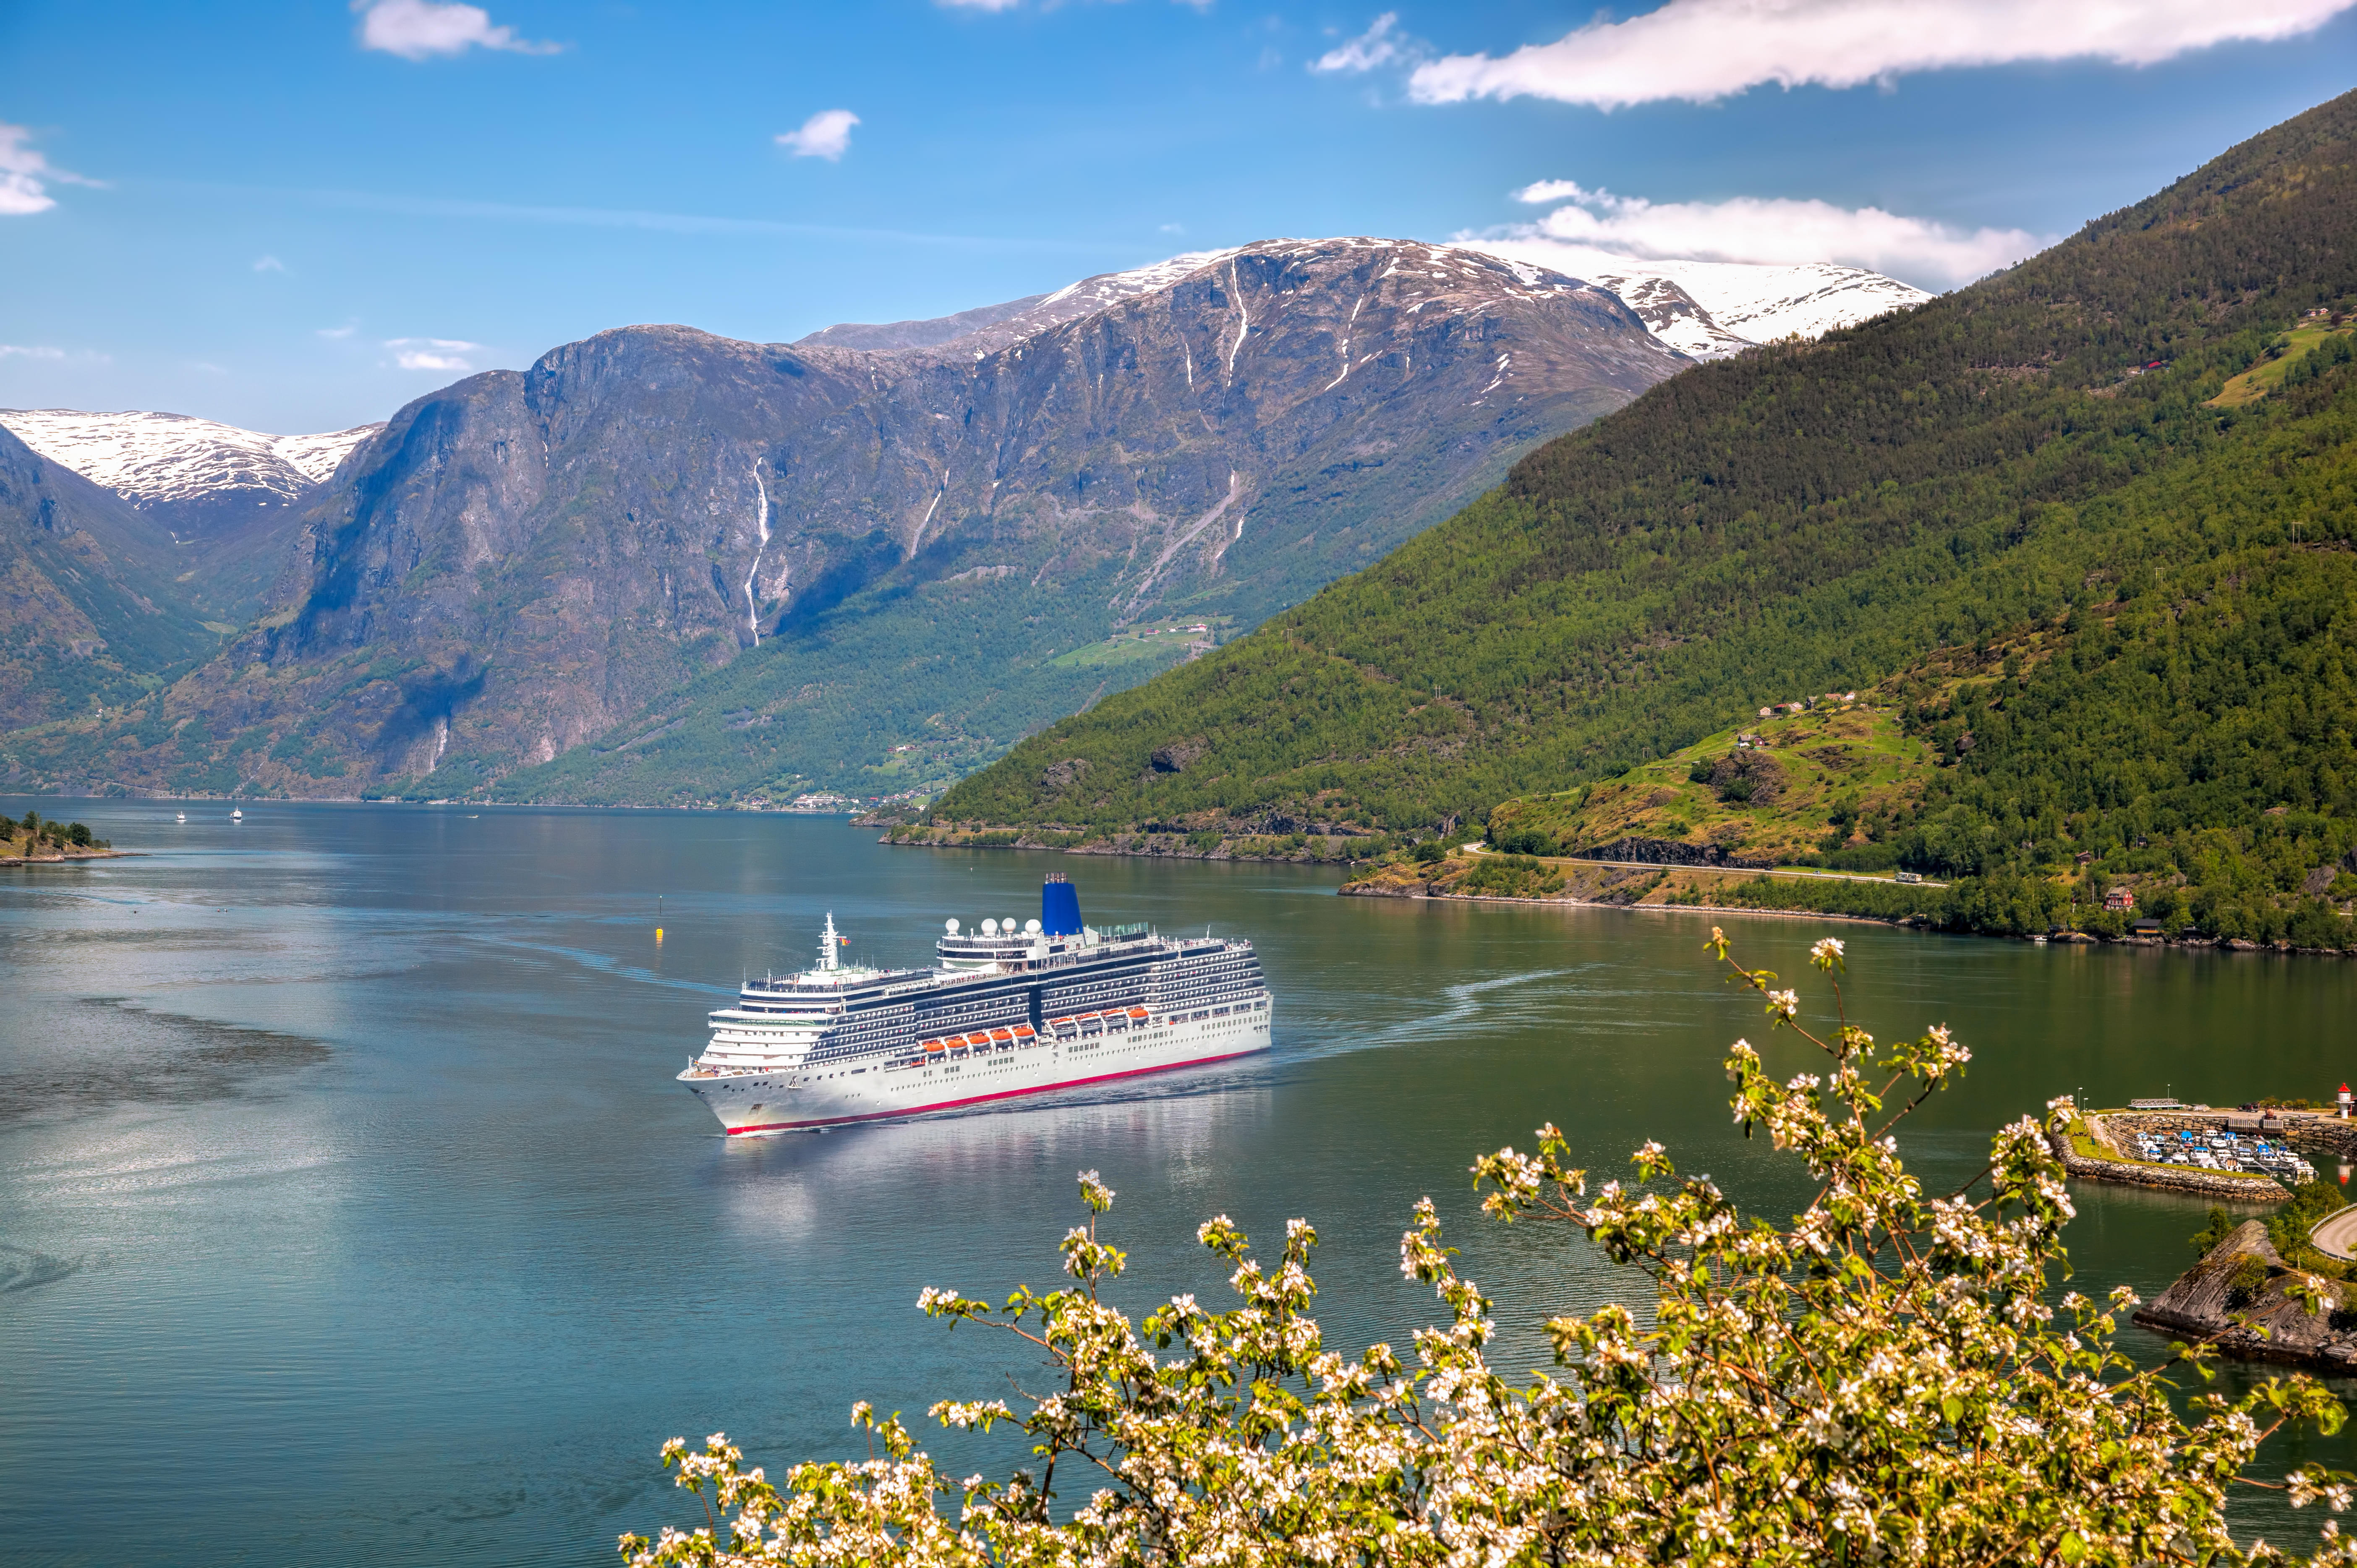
[[235, 815]]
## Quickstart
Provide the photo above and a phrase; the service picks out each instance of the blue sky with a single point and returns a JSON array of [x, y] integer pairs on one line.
[[298, 216]]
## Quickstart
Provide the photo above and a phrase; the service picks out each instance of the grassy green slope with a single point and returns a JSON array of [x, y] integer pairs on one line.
[[1796, 520], [92, 610]]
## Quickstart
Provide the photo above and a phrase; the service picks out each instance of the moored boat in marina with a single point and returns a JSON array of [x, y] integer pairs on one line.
[[1006, 1012]]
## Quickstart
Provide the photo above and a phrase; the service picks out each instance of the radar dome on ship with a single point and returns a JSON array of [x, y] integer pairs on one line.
[[949, 925], [989, 927]]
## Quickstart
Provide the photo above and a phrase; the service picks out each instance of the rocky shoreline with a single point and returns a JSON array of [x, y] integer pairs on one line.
[[65, 857], [2237, 1299]]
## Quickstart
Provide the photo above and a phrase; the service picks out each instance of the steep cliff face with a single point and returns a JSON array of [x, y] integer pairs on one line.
[[522, 563], [90, 614]]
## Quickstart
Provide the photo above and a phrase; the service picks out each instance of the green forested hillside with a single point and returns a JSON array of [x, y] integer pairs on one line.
[[2035, 452], [95, 612]]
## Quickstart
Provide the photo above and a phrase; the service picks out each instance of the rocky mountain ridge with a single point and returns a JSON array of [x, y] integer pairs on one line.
[[665, 565]]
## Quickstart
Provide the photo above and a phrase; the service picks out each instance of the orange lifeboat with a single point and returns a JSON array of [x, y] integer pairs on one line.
[[1139, 1013], [935, 1045], [1003, 1037], [1026, 1032]]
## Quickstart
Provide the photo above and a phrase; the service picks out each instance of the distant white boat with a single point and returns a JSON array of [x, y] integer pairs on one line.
[[235, 815], [182, 817]]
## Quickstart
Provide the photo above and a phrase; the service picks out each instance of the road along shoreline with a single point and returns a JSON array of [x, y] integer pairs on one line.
[[1476, 875]]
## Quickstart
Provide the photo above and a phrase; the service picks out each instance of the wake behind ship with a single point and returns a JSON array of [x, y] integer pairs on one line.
[[1004, 1013]]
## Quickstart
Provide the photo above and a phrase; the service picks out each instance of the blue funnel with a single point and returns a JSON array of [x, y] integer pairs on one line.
[[1059, 908]]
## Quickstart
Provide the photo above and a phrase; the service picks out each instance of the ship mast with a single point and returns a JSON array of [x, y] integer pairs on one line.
[[829, 944]]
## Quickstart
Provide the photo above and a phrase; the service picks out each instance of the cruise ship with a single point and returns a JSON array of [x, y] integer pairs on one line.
[[1005, 1012]]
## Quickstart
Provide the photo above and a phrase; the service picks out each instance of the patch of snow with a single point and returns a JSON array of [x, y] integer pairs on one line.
[[151, 458], [1105, 289], [1712, 309], [1242, 325], [316, 457], [1764, 303]]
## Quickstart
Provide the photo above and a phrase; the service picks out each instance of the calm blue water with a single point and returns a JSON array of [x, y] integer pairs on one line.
[[347, 1211]]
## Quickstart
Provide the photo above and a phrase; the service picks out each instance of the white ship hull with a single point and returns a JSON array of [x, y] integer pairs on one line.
[[785, 1099]]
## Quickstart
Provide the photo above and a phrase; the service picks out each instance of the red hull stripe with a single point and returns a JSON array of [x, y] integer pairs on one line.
[[986, 1098]]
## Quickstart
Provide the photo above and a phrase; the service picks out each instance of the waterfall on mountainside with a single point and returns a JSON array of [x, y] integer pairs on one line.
[[761, 519]]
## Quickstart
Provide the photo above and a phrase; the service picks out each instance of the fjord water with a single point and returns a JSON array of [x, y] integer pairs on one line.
[[349, 1211]]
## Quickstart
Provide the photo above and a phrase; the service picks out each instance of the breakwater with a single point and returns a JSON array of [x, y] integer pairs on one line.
[[2218, 1185], [2313, 1132]]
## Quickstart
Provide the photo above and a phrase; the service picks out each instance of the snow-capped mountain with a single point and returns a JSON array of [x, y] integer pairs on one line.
[[158, 459], [1672, 314], [1707, 310], [1713, 309], [1765, 303]]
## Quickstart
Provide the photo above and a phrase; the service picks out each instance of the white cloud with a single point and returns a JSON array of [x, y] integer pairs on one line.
[[26, 176], [268, 264], [1597, 223], [1380, 44], [431, 353], [339, 333], [30, 351], [1705, 50], [1550, 190], [419, 29], [825, 134]]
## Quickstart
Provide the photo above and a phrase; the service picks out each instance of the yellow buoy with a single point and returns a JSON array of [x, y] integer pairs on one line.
[[658, 936]]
